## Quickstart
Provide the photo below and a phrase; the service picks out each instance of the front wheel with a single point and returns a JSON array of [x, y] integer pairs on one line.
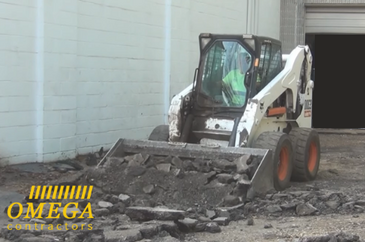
[[160, 133], [282, 156], [307, 154]]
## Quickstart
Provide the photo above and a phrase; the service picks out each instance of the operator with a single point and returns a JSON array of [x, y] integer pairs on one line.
[[233, 83]]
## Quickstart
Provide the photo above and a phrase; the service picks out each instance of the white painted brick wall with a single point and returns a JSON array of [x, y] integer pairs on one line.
[[103, 69], [269, 24], [17, 81]]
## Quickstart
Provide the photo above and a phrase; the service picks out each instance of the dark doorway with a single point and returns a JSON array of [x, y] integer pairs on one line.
[[338, 74]]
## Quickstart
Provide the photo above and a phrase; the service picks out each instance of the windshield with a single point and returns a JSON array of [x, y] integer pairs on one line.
[[270, 64], [224, 71]]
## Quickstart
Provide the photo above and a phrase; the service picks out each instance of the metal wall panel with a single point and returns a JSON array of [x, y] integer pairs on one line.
[[337, 20], [293, 19]]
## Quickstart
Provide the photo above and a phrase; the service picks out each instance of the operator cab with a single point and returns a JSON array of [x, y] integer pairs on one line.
[[232, 69]]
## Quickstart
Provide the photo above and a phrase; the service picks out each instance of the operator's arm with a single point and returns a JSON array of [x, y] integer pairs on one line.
[[227, 79], [226, 85], [258, 81], [224, 82]]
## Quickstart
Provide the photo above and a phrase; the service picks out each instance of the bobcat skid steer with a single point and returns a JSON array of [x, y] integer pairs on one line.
[[247, 98]]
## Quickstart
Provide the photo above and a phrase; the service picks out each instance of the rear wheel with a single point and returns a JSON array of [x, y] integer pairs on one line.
[[307, 153], [160, 133], [282, 155]]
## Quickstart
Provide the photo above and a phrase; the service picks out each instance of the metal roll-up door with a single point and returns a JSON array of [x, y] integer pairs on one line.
[[335, 20]]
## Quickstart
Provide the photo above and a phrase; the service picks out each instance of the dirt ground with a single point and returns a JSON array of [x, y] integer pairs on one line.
[[342, 169], [20, 178], [287, 229]]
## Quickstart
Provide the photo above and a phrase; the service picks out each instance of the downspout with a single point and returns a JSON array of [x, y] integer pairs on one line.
[[39, 72], [296, 25], [257, 17], [251, 17], [167, 65], [248, 18]]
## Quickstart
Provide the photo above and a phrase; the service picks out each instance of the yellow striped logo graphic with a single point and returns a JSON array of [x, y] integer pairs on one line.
[[64, 192]]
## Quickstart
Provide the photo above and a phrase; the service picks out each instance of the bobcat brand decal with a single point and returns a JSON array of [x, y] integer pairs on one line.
[[308, 108]]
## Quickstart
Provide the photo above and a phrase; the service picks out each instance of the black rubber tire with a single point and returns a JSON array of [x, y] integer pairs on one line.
[[160, 133], [276, 141], [302, 138]]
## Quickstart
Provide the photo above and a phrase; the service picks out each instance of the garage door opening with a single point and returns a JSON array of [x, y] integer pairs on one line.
[[338, 73]]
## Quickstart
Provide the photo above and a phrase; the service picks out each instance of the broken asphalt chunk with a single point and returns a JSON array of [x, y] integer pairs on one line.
[[305, 209], [212, 227], [225, 178], [267, 226], [288, 206], [273, 208], [200, 227], [137, 159], [225, 165], [149, 231], [241, 164], [124, 198], [157, 213], [176, 161], [135, 170], [179, 173], [130, 235], [230, 200], [210, 213], [360, 202], [103, 204], [101, 212], [149, 189], [187, 224], [202, 165], [204, 219], [224, 221], [333, 204], [164, 167]]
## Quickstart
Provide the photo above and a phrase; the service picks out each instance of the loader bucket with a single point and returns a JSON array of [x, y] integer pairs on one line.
[[261, 180]]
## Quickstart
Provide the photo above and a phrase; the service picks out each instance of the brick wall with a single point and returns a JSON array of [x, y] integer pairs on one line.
[[17, 80], [101, 69]]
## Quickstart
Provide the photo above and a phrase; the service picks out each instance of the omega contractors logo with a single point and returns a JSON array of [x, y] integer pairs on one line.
[[52, 210]]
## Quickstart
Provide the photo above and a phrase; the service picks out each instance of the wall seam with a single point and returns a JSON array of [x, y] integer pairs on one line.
[[39, 92], [167, 64]]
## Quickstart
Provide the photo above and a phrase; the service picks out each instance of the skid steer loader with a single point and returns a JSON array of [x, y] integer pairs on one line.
[[247, 98]]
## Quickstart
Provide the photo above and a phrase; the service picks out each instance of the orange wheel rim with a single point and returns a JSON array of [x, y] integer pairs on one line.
[[312, 160], [283, 163]]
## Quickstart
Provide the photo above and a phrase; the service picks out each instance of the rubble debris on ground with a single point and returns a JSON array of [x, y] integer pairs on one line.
[[205, 187], [175, 182], [155, 198]]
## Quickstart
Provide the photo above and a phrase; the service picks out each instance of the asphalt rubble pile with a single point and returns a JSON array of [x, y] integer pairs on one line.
[[154, 198], [305, 202]]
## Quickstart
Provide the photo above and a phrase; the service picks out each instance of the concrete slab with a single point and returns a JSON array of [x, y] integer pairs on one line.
[[31, 167]]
